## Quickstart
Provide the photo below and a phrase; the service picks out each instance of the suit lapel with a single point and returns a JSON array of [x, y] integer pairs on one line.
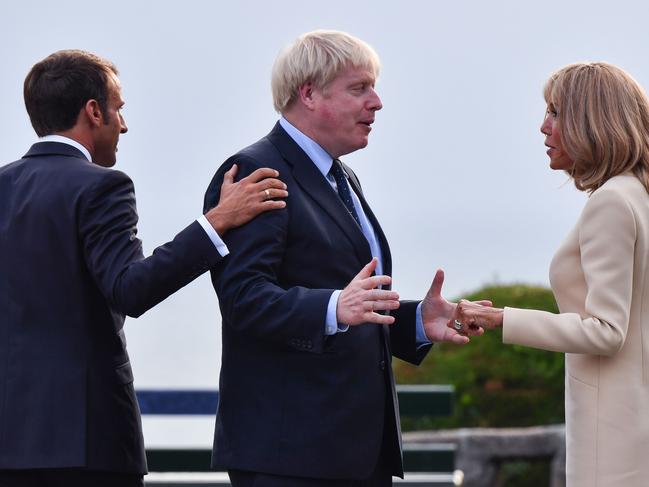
[[310, 179]]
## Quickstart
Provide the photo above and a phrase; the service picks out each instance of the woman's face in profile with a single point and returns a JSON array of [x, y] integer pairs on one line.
[[559, 158]]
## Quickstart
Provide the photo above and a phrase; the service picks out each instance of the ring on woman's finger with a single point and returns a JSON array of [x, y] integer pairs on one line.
[[267, 193], [458, 325]]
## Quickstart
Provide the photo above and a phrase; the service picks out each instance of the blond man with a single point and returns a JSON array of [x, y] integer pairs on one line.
[[307, 395]]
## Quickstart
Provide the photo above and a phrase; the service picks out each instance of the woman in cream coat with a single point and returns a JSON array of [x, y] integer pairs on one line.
[[597, 129]]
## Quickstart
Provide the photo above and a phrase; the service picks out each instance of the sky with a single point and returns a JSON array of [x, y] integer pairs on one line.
[[455, 169]]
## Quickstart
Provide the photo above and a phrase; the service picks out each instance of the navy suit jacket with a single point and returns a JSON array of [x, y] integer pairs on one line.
[[293, 401], [71, 268]]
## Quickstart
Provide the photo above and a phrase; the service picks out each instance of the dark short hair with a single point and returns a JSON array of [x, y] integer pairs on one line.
[[59, 86]]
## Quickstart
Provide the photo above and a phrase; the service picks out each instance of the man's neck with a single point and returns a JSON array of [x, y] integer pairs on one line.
[[64, 139], [82, 134], [303, 125], [298, 124]]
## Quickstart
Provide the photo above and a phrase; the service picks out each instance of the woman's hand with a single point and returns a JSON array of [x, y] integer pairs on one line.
[[469, 315]]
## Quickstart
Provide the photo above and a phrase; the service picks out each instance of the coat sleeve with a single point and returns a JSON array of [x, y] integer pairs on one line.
[[248, 283], [131, 283], [403, 334], [607, 234]]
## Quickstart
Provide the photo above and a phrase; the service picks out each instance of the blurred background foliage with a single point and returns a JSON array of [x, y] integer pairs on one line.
[[496, 385]]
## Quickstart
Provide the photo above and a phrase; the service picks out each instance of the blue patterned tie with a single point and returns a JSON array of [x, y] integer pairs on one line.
[[343, 189]]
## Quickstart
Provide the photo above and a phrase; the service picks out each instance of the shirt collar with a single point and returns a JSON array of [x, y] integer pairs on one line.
[[317, 154], [67, 140]]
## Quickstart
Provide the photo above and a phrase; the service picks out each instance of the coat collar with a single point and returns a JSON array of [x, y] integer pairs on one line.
[[54, 149]]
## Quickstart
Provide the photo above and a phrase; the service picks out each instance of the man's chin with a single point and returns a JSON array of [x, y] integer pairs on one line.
[[361, 144]]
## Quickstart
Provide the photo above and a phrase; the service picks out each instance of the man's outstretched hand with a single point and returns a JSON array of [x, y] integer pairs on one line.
[[240, 202], [436, 313]]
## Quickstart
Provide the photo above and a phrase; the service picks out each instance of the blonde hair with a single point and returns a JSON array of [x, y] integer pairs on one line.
[[603, 121], [318, 57]]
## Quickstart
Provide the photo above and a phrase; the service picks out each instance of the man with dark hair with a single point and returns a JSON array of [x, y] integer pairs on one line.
[[72, 268], [57, 88]]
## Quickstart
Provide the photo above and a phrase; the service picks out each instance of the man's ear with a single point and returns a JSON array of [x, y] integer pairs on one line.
[[93, 112], [306, 95]]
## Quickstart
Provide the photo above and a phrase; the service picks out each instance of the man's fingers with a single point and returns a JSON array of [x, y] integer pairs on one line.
[[436, 287], [378, 319], [360, 300], [228, 177], [260, 174], [382, 294], [268, 184], [459, 339], [269, 194], [272, 205], [373, 282], [367, 270], [381, 305], [484, 302]]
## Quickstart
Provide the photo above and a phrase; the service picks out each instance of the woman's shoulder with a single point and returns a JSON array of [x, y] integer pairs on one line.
[[621, 198], [622, 183], [623, 187]]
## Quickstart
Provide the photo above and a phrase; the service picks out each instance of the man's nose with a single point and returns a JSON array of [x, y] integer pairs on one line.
[[123, 126], [375, 101]]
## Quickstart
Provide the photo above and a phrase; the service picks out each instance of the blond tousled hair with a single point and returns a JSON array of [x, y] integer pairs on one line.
[[603, 119], [318, 57]]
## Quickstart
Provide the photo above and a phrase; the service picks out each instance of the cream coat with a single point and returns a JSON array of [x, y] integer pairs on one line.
[[599, 277]]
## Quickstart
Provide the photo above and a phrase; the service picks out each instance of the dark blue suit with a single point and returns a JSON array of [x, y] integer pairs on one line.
[[71, 268], [294, 402]]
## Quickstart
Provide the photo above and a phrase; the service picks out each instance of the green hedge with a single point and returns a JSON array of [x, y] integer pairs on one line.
[[496, 385]]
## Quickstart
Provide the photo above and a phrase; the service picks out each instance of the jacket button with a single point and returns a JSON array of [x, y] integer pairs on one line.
[[382, 365]]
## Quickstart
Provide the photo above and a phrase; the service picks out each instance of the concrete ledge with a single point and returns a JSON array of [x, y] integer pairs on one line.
[[480, 451]]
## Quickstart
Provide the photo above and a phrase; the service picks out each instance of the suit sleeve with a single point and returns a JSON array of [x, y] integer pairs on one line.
[[248, 283], [403, 334], [607, 234], [131, 283]]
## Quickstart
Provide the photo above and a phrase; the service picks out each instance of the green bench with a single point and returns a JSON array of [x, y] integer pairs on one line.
[[425, 464]]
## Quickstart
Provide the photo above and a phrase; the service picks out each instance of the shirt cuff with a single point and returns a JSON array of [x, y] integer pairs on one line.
[[331, 323], [214, 237], [422, 339]]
